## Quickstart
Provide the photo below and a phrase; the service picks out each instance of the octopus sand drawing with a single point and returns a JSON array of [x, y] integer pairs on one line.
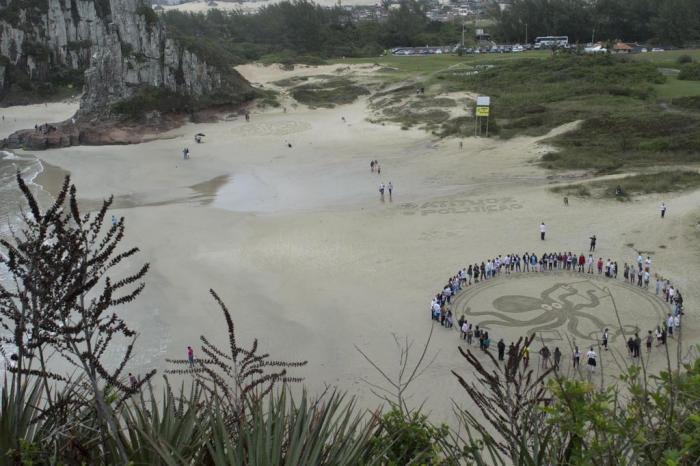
[[579, 308]]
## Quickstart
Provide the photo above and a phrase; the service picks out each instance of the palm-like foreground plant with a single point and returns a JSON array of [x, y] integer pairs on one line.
[[239, 379]]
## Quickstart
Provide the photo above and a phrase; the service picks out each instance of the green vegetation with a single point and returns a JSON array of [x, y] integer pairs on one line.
[[149, 15], [668, 22], [690, 72], [648, 183], [688, 103], [328, 93], [303, 32], [150, 98]]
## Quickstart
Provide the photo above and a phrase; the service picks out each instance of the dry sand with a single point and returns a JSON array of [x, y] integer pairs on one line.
[[309, 260]]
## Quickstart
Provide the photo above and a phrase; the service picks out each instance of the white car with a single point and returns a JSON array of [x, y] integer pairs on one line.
[[518, 48], [657, 49]]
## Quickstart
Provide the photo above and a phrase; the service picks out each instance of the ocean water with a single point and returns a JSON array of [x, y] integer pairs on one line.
[[12, 202]]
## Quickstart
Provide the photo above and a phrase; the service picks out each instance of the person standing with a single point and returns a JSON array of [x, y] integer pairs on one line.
[[381, 191], [526, 356], [591, 358], [637, 345], [390, 187], [577, 357], [543, 230], [114, 220], [663, 210], [544, 352], [557, 358], [501, 349], [605, 339], [669, 325], [593, 240], [190, 356], [650, 340], [133, 381]]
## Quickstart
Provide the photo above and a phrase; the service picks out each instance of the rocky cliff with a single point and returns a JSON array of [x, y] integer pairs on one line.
[[120, 45]]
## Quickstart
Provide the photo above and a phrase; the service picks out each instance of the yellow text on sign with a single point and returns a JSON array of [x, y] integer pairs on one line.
[[482, 111]]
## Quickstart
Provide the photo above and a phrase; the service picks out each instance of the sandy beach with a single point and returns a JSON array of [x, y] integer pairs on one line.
[[311, 262]]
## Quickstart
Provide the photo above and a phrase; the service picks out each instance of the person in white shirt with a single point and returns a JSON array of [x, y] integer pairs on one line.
[[669, 325], [663, 210], [543, 230], [647, 264], [677, 322], [591, 357], [590, 263]]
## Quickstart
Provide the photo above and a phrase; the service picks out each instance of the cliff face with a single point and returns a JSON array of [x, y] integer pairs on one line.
[[120, 43]]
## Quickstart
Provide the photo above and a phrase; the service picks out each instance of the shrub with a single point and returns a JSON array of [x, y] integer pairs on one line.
[[685, 58], [690, 72]]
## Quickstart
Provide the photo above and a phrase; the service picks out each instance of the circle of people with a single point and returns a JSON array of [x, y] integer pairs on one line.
[[638, 274]]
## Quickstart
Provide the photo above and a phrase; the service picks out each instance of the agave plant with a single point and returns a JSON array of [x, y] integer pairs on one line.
[[282, 432], [172, 430]]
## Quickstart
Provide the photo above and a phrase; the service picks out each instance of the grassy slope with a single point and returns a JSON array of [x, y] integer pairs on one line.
[[627, 107]]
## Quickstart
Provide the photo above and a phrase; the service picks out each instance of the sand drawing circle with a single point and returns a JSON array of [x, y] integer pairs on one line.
[[272, 128], [561, 305]]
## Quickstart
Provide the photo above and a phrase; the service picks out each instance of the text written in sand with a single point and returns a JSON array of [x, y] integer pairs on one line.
[[462, 206]]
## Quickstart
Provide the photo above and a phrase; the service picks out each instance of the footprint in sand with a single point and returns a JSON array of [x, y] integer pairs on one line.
[[277, 128]]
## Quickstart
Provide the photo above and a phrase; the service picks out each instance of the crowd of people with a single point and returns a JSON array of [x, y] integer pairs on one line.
[[637, 273]]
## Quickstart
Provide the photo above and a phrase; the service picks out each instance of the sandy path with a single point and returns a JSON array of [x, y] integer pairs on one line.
[[312, 263]]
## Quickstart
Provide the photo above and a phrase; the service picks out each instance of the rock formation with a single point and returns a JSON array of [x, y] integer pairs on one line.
[[120, 44]]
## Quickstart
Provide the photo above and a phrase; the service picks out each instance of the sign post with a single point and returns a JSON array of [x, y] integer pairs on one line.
[[481, 115]]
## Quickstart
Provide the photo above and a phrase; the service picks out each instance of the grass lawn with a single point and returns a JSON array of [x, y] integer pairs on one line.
[[668, 59], [674, 87], [434, 63]]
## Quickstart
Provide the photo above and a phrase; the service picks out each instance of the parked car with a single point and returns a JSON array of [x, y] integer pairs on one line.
[[518, 48], [657, 49]]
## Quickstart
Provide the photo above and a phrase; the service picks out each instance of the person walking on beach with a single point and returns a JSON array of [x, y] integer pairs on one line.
[[114, 220], [593, 240], [663, 210], [371, 166], [185, 153], [543, 230], [557, 358], [379, 169], [591, 358], [605, 339], [501, 349], [190, 356], [381, 191], [390, 187]]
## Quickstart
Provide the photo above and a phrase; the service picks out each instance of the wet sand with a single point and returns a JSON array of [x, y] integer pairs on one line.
[[311, 262]]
